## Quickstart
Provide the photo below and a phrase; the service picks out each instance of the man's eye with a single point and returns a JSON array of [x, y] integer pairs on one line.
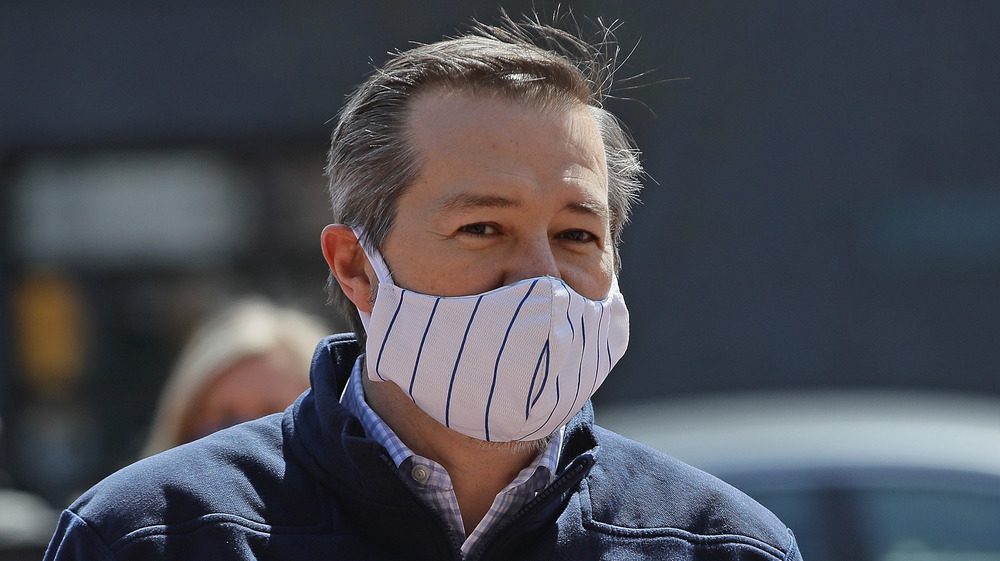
[[479, 229], [578, 236]]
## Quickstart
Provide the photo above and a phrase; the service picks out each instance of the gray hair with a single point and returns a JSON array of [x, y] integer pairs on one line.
[[372, 161]]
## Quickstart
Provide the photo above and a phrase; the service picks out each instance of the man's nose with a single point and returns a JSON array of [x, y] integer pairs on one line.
[[530, 259]]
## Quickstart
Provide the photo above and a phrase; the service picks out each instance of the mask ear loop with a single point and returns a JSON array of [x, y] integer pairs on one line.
[[374, 256], [378, 265]]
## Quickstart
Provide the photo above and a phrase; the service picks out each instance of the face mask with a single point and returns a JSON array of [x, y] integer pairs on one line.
[[514, 363]]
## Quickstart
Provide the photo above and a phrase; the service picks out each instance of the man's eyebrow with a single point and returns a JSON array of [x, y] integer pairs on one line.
[[466, 201], [591, 208]]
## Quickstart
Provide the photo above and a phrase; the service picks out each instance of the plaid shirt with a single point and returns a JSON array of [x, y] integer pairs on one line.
[[435, 484]]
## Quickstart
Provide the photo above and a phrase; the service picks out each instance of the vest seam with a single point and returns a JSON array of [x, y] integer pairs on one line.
[[218, 519]]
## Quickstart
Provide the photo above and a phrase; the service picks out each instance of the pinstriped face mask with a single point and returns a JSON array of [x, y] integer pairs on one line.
[[514, 363]]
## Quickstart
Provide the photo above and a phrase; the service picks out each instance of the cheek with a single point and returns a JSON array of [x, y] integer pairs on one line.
[[605, 275], [439, 272], [593, 281]]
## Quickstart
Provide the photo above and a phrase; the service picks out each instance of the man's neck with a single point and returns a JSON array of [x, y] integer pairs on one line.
[[478, 470]]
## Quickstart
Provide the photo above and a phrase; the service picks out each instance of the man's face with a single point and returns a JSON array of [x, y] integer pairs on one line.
[[506, 192]]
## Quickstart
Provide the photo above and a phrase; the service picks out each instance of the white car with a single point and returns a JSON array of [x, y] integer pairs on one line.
[[860, 476]]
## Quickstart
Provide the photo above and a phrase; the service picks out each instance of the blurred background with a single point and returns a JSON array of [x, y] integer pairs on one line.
[[823, 211]]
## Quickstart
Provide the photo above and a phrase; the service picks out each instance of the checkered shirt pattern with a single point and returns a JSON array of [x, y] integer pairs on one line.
[[437, 488]]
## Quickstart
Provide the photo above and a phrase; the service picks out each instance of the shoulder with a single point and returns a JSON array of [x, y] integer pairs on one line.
[[635, 489], [238, 476]]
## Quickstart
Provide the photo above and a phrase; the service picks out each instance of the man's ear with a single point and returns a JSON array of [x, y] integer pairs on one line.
[[348, 263]]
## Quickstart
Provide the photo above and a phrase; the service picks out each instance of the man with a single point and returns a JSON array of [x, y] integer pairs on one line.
[[480, 191]]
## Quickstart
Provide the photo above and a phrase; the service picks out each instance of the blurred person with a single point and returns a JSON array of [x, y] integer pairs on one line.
[[249, 360], [480, 190]]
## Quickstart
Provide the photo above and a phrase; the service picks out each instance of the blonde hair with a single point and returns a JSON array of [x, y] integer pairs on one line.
[[247, 328]]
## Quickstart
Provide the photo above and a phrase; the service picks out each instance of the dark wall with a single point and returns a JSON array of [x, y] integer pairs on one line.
[[828, 211]]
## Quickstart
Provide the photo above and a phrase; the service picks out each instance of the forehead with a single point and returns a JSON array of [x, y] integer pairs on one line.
[[463, 136]]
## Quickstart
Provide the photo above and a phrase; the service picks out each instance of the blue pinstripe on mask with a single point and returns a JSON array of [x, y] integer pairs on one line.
[[514, 363]]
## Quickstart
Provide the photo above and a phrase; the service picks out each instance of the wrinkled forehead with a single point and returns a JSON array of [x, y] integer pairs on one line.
[[494, 130]]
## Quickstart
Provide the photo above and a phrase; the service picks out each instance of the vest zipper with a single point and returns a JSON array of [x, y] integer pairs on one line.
[[569, 477]]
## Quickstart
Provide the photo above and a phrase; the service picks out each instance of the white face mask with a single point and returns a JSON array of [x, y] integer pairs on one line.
[[514, 363]]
